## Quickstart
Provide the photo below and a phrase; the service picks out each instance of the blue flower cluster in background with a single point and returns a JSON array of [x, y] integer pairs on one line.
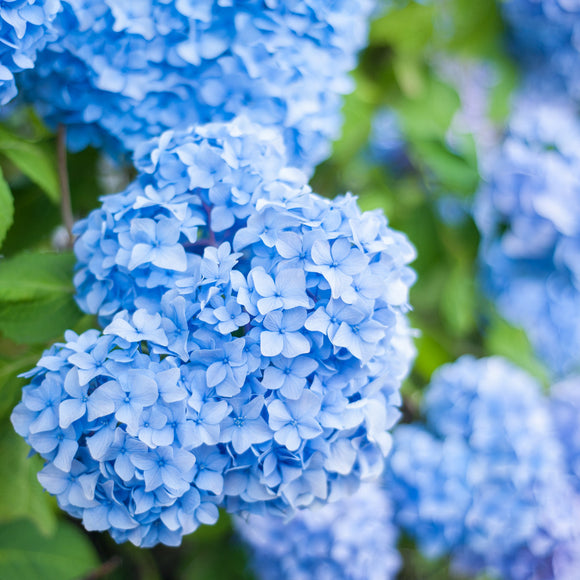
[[352, 539], [387, 144], [255, 347], [486, 480], [528, 212], [565, 409], [25, 28], [544, 36], [122, 72]]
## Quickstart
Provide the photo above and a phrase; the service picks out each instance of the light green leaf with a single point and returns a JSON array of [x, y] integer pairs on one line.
[[394, 28], [36, 297], [21, 496], [34, 160], [27, 555], [458, 301], [505, 340], [6, 208]]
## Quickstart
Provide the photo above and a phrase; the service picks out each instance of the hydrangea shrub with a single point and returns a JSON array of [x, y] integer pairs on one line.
[[123, 72]]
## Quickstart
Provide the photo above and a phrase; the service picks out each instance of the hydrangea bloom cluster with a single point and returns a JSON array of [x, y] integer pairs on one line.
[[121, 73], [353, 539], [269, 324], [25, 28], [544, 34], [528, 213], [565, 407], [486, 479]]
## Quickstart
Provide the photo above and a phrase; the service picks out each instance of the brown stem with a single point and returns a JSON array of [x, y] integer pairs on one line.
[[65, 202], [105, 569]]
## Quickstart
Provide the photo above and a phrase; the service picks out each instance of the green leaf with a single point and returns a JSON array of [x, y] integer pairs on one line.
[[431, 354], [21, 496], [34, 160], [407, 29], [10, 384], [36, 297], [458, 301], [26, 554], [505, 340], [6, 208]]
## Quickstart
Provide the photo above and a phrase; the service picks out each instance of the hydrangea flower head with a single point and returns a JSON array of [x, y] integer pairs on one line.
[[528, 213], [120, 74], [565, 407], [25, 28], [544, 35], [387, 143], [353, 539], [486, 480], [271, 324]]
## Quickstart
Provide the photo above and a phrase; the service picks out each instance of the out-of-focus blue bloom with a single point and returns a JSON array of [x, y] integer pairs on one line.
[[486, 479], [386, 142], [565, 405], [453, 211], [544, 34], [119, 75], [276, 346], [528, 212], [25, 28], [353, 539], [474, 81]]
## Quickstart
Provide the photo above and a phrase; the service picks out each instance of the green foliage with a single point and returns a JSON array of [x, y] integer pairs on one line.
[[28, 555], [502, 339], [36, 297], [6, 208], [203, 555], [34, 160], [21, 496]]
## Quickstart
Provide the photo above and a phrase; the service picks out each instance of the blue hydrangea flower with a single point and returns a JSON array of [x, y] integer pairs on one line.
[[528, 212], [274, 347], [25, 28], [485, 480], [120, 74], [565, 406], [544, 36], [386, 142], [353, 539]]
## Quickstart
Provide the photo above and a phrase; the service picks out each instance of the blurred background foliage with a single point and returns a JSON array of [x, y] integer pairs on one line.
[[433, 176]]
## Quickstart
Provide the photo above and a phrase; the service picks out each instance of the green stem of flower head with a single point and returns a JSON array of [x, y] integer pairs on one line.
[[65, 199]]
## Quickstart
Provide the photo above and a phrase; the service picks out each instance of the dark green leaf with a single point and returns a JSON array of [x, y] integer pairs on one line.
[[36, 297], [25, 554], [34, 160], [6, 208], [10, 384], [21, 496]]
